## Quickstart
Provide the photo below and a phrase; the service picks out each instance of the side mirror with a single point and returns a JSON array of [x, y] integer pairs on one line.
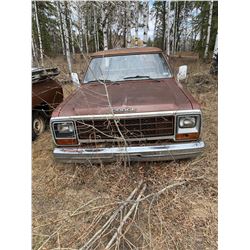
[[75, 79], [182, 73]]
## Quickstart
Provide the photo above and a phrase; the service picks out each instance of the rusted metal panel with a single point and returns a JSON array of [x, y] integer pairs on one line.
[[138, 95], [46, 92]]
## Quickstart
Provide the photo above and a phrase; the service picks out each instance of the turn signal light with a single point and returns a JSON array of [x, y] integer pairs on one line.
[[66, 141], [190, 136]]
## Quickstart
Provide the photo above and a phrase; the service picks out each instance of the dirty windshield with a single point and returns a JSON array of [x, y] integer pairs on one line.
[[129, 67]]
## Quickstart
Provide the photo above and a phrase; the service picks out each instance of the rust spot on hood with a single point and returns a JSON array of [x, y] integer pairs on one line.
[[137, 95]]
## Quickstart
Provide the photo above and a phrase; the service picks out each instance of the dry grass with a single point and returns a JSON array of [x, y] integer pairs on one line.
[[71, 202]]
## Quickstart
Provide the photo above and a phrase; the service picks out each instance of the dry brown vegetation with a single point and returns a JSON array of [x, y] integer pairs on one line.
[[71, 202]]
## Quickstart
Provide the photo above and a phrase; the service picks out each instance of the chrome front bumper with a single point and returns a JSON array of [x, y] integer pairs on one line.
[[141, 153]]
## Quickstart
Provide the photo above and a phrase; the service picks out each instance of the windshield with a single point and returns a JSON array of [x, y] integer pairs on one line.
[[129, 67]]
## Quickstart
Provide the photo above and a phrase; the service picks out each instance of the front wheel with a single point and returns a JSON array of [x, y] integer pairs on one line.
[[38, 124]]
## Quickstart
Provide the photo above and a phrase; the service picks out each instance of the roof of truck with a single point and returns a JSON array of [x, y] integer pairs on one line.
[[126, 51]]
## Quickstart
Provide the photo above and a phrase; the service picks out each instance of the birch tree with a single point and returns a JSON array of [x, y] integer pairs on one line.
[[66, 35], [78, 8], [71, 29], [136, 22], [128, 6], [104, 27], [145, 22], [96, 35], [34, 51], [208, 29], [216, 46], [39, 34], [124, 23], [168, 28], [85, 32], [174, 29], [164, 24], [178, 25], [59, 16]]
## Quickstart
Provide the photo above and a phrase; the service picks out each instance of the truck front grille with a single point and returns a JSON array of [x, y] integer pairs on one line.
[[130, 128]]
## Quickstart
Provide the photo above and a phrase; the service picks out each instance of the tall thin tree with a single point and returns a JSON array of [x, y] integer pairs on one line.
[[145, 22], [59, 16], [104, 27], [168, 28], [39, 34], [78, 6], [34, 52], [66, 35], [208, 29], [72, 40], [129, 24], [96, 36], [136, 22], [164, 24], [85, 31]]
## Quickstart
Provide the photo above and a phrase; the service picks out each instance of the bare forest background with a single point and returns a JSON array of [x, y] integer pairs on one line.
[[68, 28]]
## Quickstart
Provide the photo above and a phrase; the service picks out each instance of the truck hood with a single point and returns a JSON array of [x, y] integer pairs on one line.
[[130, 96]]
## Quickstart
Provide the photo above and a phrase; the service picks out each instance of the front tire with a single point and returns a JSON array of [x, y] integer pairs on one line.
[[38, 124]]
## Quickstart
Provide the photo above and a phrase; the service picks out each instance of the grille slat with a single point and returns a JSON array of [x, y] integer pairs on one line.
[[131, 128]]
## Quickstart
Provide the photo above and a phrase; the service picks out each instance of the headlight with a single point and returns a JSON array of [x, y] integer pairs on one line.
[[64, 129], [187, 122], [188, 127]]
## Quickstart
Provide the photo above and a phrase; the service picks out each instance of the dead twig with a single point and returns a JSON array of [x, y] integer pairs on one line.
[[119, 229], [99, 233]]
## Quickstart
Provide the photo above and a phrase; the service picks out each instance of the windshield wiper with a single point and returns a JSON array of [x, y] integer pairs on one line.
[[100, 80], [140, 76]]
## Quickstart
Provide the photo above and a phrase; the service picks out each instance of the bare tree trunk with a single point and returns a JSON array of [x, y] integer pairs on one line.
[[136, 22], [83, 28], [85, 35], [39, 35], [178, 24], [209, 29], [216, 46], [34, 52], [95, 31], [129, 24], [124, 13], [71, 31], [164, 26], [66, 35], [104, 23], [185, 26], [168, 27], [145, 22], [79, 13], [175, 27], [60, 26], [173, 30]]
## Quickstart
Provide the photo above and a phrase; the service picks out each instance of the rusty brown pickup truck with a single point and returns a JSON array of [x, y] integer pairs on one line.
[[128, 106], [46, 95]]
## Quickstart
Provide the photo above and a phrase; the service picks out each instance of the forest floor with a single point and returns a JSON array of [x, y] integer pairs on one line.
[[71, 202]]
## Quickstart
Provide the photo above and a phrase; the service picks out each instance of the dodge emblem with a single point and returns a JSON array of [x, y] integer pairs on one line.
[[123, 110]]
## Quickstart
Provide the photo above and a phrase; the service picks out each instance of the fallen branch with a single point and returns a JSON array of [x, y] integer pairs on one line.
[[119, 229], [99, 233], [49, 237], [163, 190]]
